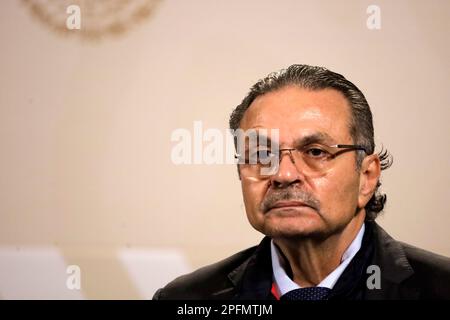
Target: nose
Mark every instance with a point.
(287, 173)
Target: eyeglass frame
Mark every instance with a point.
(346, 147)
(349, 147)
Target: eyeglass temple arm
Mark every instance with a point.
(351, 146)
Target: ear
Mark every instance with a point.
(369, 176)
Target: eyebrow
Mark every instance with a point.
(321, 137)
(317, 137)
(266, 137)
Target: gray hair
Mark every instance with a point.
(318, 78)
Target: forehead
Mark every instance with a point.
(298, 112)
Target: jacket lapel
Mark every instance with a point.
(253, 278)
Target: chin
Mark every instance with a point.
(300, 233)
(294, 227)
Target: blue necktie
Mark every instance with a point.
(310, 293)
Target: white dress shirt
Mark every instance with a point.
(284, 284)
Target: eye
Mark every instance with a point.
(316, 152)
(260, 156)
(263, 155)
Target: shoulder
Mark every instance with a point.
(431, 270)
(409, 271)
(425, 261)
(205, 282)
(420, 260)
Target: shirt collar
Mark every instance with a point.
(285, 284)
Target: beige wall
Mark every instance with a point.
(85, 126)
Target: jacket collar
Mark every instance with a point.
(397, 279)
(391, 255)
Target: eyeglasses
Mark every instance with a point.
(312, 160)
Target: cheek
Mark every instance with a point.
(253, 194)
(338, 195)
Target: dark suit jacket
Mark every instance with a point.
(406, 272)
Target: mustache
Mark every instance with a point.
(289, 194)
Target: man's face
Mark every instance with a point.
(291, 203)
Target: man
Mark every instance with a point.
(317, 209)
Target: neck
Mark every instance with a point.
(311, 260)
